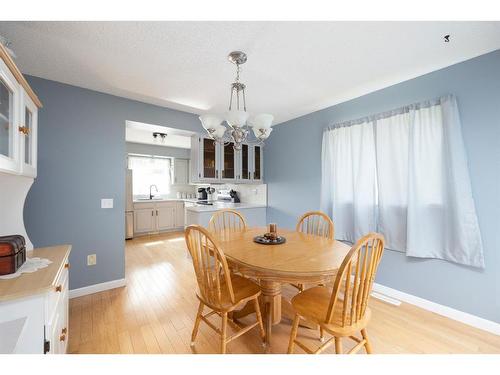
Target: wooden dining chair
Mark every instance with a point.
(343, 311)
(218, 289)
(317, 223)
(227, 219)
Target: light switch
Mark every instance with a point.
(107, 203)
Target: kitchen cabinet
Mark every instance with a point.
(144, 220)
(207, 157)
(10, 96)
(181, 171)
(257, 174)
(18, 120)
(38, 304)
(254, 216)
(213, 162)
(228, 163)
(165, 217)
(244, 164)
(179, 214)
(28, 136)
(159, 216)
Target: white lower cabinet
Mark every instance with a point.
(179, 214)
(57, 308)
(144, 220)
(35, 320)
(151, 217)
(165, 217)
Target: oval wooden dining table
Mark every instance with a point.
(303, 258)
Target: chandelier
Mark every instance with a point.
(238, 120)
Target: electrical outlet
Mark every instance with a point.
(91, 260)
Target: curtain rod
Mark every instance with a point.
(397, 111)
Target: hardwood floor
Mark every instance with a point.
(155, 313)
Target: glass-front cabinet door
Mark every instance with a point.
(9, 135)
(209, 154)
(258, 164)
(228, 162)
(28, 136)
(244, 160)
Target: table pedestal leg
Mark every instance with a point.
(271, 296)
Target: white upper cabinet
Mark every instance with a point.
(257, 164)
(28, 136)
(212, 162)
(181, 171)
(244, 164)
(209, 154)
(228, 163)
(18, 120)
(10, 92)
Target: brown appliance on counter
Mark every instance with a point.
(12, 253)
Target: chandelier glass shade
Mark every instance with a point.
(238, 120)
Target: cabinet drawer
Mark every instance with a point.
(141, 206)
(166, 204)
(56, 296)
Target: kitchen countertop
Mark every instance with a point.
(165, 200)
(44, 279)
(221, 205)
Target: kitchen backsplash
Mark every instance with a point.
(174, 189)
(248, 193)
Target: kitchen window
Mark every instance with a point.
(150, 170)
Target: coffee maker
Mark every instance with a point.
(202, 194)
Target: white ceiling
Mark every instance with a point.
(293, 68)
(139, 132)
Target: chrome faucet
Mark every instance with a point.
(150, 193)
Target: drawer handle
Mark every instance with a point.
(67, 265)
(64, 331)
(59, 288)
(24, 129)
(62, 338)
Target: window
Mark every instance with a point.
(150, 170)
(403, 174)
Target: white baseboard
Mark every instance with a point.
(466, 318)
(91, 289)
(383, 297)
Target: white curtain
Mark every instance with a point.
(354, 200)
(404, 174)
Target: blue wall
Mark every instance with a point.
(293, 174)
(81, 159)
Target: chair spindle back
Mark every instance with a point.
(354, 280)
(210, 266)
(317, 223)
(227, 220)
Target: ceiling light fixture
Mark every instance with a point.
(238, 119)
(8, 46)
(161, 135)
